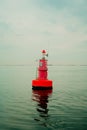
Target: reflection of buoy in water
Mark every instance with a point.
(41, 81)
(42, 99)
(39, 95)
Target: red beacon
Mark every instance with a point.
(41, 81)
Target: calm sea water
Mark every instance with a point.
(63, 108)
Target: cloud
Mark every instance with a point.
(28, 26)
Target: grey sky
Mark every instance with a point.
(28, 26)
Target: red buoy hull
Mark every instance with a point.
(41, 84)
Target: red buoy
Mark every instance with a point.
(41, 81)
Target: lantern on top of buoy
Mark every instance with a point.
(42, 81)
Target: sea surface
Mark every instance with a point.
(63, 108)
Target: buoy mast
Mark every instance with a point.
(42, 69)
